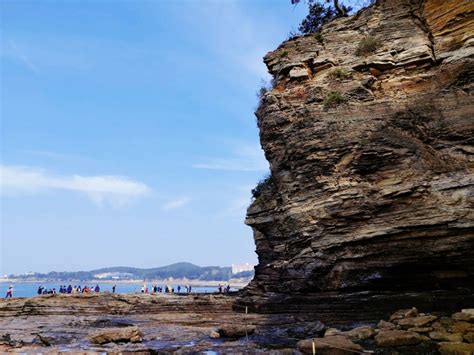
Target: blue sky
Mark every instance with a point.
(127, 130)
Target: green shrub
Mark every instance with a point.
(340, 73)
(264, 88)
(292, 35)
(319, 37)
(284, 54)
(261, 92)
(366, 46)
(264, 184)
(333, 99)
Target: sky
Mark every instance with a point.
(127, 130)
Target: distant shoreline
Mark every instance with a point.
(200, 283)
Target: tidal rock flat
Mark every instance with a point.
(368, 128)
(115, 323)
(203, 324)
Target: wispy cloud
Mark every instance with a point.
(102, 189)
(244, 157)
(22, 57)
(176, 203)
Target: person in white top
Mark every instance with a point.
(9, 292)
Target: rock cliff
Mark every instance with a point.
(369, 133)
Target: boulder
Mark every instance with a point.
(214, 334)
(460, 316)
(468, 311)
(469, 337)
(394, 338)
(456, 349)
(404, 313)
(332, 345)
(444, 336)
(307, 330)
(360, 333)
(461, 327)
(385, 325)
(421, 330)
(117, 335)
(332, 331)
(235, 331)
(438, 326)
(412, 322)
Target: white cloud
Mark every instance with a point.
(245, 157)
(102, 189)
(177, 203)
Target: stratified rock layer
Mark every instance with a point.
(370, 204)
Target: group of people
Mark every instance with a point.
(223, 289)
(166, 289)
(63, 289)
(70, 289)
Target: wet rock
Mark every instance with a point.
(235, 331)
(469, 337)
(438, 326)
(456, 349)
(422, 330)
(117, 335)
(404, 313)
(360, 333)
(395, 338)
(332, 345)
(307, 330)
(460, 316)
(443, 336)
(45, 340)
(7, 339)
(468, 311)
(461, 327)
(385, 325)
(415, 321)
(332, 331)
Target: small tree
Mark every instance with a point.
(318, 15)
(323, 11)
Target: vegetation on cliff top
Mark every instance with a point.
(321, 12)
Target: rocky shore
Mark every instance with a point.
(172, 324)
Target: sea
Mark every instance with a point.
(30, 289)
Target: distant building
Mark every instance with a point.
(113, 275)
(236, 268)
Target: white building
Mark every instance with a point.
(236, 268)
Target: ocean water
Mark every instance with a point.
(29, 289)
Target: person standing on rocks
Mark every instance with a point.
(9, 292)
(113, 288)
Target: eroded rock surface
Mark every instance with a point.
(370, 202)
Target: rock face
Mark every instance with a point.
(370, 202)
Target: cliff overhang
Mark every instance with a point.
(372, 160)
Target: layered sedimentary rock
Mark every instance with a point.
(369, 133)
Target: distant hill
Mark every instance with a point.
(176, 271)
